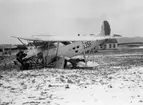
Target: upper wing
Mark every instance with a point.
(66, 38)
(29, 39)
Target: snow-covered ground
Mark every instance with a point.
(72, 87)
(116, 84)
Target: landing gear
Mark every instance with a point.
(74, 62)
(37, 61)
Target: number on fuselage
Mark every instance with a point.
(87, 44)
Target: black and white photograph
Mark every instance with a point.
(71, 52)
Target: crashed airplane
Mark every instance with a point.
(58, 51)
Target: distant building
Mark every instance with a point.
(109, 44)
(130, 41)
(5, 49)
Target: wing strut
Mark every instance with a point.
(91, 55)
(57, 52)
(45, 59)
(57, 49)
(92, 52)
(48, 48)
(21, 41)
(84, 56)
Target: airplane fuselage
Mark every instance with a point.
(74, 48)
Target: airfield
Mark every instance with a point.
(116, 79)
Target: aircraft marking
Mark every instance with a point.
(73, 48)
(86, 44)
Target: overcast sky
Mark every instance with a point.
(68, 17)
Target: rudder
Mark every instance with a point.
(105, 29)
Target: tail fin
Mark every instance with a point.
(105, 29)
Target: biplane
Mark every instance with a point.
(58, 51)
